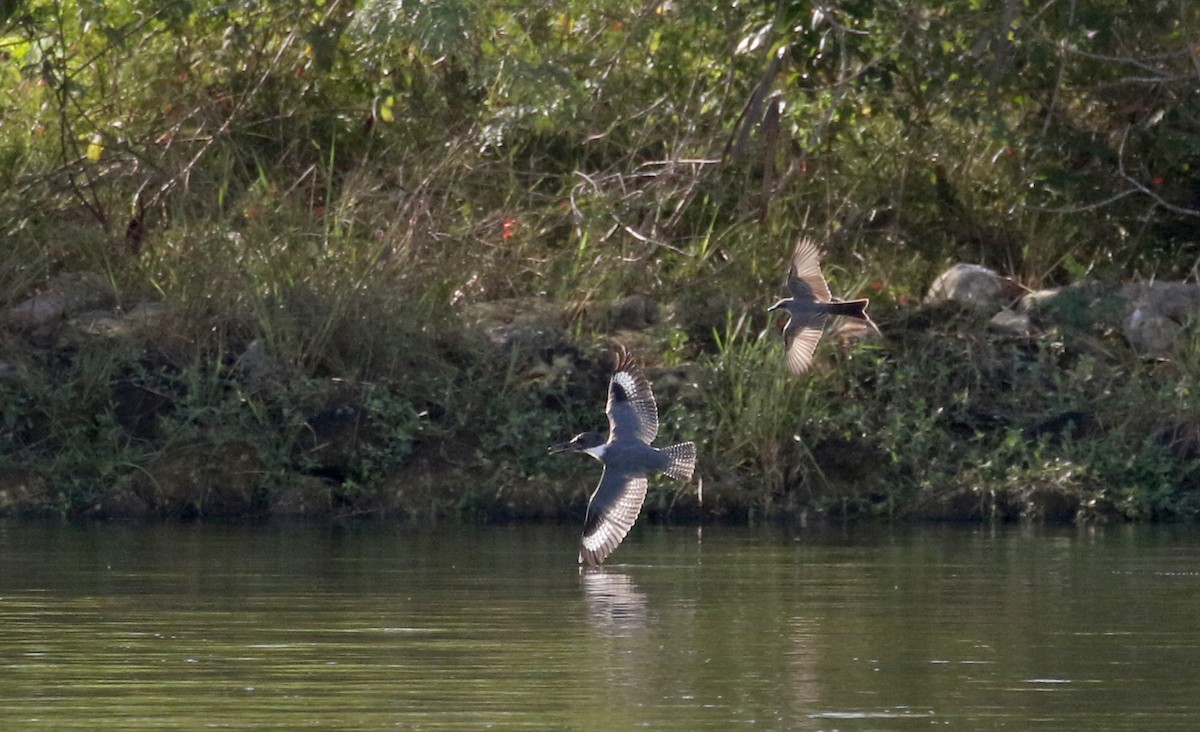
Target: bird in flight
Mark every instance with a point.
(810, 303)
(628, 459)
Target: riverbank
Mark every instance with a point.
(337, 260)
(963, 409)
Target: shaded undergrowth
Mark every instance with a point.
(306, 205)
(946, 418)
(942, 418)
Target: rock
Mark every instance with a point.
(67, 294)
(629, 313)
(974, 285)
(487, 315)
(146, 320)
(1037, 300)
(1159, 311)
(523, 338)
(634, 312)
(556, 368)
(524, 327)
(1175, 300)
(255, 363)
(204, 479)
(1012, 321)
(103, 323)
(165, 330)
(1081, 305)
(1150, 333)
(147, 316)
(37, 312)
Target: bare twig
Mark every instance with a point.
(1085, 207)
(1143, 188)
(1058, 79)
(1117, 59)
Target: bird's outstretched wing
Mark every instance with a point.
(801, 336)
(805, 281)
(611, 512)
(632, 413)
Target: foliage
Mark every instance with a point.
(334, 183)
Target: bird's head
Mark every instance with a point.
(590, 442)
(779, 305)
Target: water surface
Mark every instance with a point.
(372, 627)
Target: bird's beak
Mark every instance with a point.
(774, 307)
(562, 447)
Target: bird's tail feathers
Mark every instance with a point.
(849, 308)
(683, 461)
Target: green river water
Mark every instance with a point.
(393, 627)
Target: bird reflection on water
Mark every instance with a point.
(615, 605)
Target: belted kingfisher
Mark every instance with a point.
(809, 305)
(628, 459)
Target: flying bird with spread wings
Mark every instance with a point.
(810, 303)
(628, 457)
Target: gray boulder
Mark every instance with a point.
(1159, 312)
(973, 285)
(65, 295)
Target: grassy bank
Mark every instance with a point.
(365, 258)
